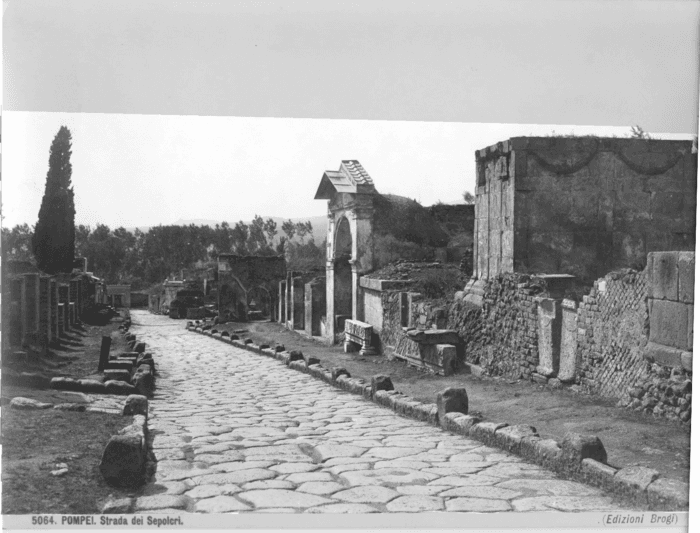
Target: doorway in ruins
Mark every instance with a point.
(342, 268)
(259, 304)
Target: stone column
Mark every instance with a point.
(281, 307)
(54, 308)
(30, 303)
(548, 336)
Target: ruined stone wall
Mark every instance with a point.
(584, 206)
(613, 328)
(392, 338)
(588, 206)
(501, 335)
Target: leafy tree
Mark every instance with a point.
(17, 243)
(303, 229)
(637, 132)
(468, 197)
(53, 243)
(289, 229)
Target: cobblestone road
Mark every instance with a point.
(239, 432)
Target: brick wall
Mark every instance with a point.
(501, 336)
(613, 327)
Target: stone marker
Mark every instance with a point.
(123, 460)
(381, 382)
(452, 400)
(104, 352)
(337, 371)
(135, 404)
(140, 347)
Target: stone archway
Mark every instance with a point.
(350, 192)
(342, 273)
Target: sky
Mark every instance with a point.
(144, 170)
(156, 94)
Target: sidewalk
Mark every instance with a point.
(630, 438)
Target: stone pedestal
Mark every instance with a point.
(358, 335)
(569, 341)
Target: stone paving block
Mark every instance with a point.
(282, 498)
(367, 494)
(328, 451)
(668, 495)
(416, 504)
(486, 432)
(343, 508)
(632, 482)
(321, 488)
(510, 437)
(478, 505)
(118, 506)
(220, 504)
(597, 473)
(162, 501)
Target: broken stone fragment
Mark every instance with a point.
(119, 387)
(28, 403)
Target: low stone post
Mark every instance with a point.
(104, 353)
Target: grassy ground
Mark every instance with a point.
(630, 438)
(33, 442)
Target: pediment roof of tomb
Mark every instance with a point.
(350, 178)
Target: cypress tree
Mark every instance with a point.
(54, 236)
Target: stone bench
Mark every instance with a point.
(358, 335)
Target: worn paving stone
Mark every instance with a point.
(478, 505)
(282, 498)
(220, 504)
(367, 494)
(320, 487)
(239, 432)
(415, 504)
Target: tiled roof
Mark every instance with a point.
(356, 171)
(351, 178)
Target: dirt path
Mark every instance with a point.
(630, 438)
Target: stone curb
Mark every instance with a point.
(578, 457)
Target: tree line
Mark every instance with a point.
(144, 258)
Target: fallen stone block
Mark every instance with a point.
(279, 348)
(434, 336)
(135, 404)
(452, 400)
(510, 437)
(666, 494)
(120, 387)
(381, 382)
(78, 407)
(123, 460)
(576, 447)
(486, 432)
(28, 403)
(632, 482)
